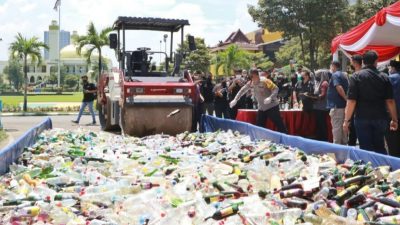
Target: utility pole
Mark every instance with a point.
(59, 44)
(57, 7)
(165, 42)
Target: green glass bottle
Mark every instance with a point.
(225, 212)
(362, 216)
(93, 159)
(346, 193)
(234, 186)
(12, 202)
(151, 173)
(216, 185)
(46, 172)
(76, 153)
(170, 159)
(214, 198)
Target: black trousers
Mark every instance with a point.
(221, 110)
(274, 115)
(321, 127)
(393, 142)
(352, 133)
(196, 116)
(233, 112)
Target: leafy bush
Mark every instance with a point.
(13, 108)
(71, 80)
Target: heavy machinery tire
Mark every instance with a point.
(104, 118)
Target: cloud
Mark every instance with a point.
(211, 19)
(28, 7)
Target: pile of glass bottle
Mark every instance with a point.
(80, 177)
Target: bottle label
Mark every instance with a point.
(246, 159)
(214, 199)
(226, 212)
(342, 193)
(236, 170)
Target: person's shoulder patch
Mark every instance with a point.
(268, 83)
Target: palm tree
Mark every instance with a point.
(94, 41)
(231, 58)
(22, 48)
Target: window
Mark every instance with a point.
(44, 68)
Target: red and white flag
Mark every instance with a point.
(58, 3)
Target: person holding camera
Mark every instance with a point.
(266, 94)
(206, 90)
(89, 95)
(303, 91)
(221, 100)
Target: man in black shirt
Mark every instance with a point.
(371, 97)
(206, 90)
(221, 100)
(356, 65)
(89, 95)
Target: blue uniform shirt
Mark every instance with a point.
(334, 99)
(395, 81)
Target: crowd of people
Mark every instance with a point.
(361, 104)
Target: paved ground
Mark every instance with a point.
(15, 126)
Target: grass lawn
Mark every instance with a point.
(15, 100)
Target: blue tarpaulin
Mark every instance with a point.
(211, 124)
(10, 154)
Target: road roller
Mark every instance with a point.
(140, 97)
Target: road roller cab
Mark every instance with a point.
(140, 97)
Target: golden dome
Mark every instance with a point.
(69, 52)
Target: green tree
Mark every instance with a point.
(363, 10)
(234, 58)
(14, 73)
(260, 60)
(53, 79)
(231, 58)
(306, 19)
(292, 50)
(94, 41)
(195, 60)
(95, 67)
(71, 80)
(23, 47)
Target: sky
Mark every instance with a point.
(213, 20)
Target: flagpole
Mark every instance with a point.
(58, 47)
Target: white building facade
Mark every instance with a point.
(69, 59)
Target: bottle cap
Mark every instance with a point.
(34, 211)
